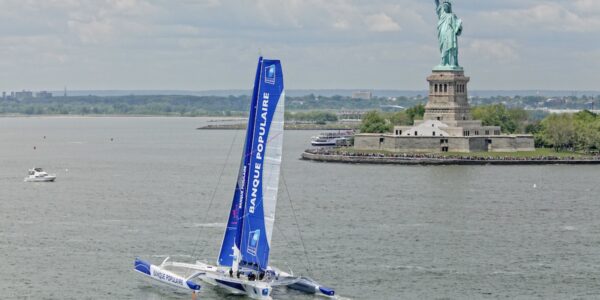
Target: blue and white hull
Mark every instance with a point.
(253, 289)
(165, 277)
(257, 289)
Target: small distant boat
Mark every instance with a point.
(39, 175)
(332, 138)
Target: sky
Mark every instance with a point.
(323, 44)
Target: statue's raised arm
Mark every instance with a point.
(449, 28)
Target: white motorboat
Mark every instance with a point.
(332, 138)
(243, 266)
(39, 175)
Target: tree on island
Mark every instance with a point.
(408, 117)
(559, 131)
(575, 132)
(510, 120)
(416, 112)
(587, 127)
(374, 122)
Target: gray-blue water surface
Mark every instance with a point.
(372, 232)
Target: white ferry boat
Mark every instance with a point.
(39, 175)
(332, 138)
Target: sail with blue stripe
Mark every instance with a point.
(262, 181)
(247, 239)
(227, 253)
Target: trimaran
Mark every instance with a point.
(243, 262)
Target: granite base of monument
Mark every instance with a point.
(447, 125)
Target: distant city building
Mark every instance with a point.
(3, 95)
(43, 94)
(365, 95)
(23, 95)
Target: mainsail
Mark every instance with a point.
(250, 225)
(265, 162)
(226, 255)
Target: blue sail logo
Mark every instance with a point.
(270, 74)
(253, 238)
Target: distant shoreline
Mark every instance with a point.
(288, 126)
(400, 160)
(117, 116)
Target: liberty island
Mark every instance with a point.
(447, 125)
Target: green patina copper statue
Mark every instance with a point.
(449, 28)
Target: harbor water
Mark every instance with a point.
(156, 187)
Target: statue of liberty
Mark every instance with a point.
(449, 28)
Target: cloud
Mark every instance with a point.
(381, 23)
(587, 6)
(495, 51)
(91, 32)
(555, 17)
(341, 24)
(170, 44)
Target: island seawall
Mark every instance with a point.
(441, 161)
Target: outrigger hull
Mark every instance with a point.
(309, 286)
(166, 277)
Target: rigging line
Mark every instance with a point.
(309, 269)
(215, 192)
(287, 245)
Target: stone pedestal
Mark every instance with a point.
(447, 113)
(447, 125)
(448, 101)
